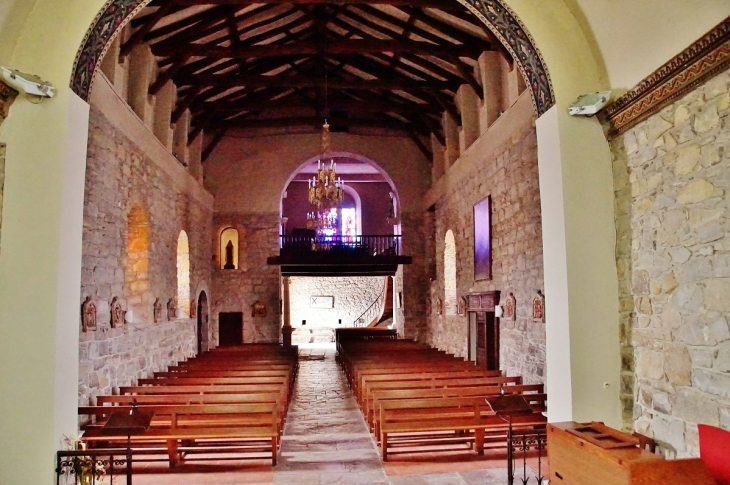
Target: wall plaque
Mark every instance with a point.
(258, 310)
(171, 309)
(510, 308)
(538, 308)
(117, 313)
(322, 302)
(88, 315)
(157, 311)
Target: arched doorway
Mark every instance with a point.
(202, 331)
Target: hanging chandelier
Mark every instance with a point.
(325, 190)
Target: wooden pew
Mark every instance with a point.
(234, 424)
(533, 394)
(411, 416)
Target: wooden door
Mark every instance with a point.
(230, 329)
(202, 322)
(472, 336)
(492, 333)
(481, 321)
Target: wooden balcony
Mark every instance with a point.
(339, 256)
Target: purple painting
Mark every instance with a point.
(483, 240)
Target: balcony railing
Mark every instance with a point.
(350, 245)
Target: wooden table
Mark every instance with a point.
(606, 456)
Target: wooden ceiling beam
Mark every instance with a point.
(439, 4)
(213, 144)
(447, 29)
(311, 48)
(367, 105)
(420, 145)
(468, 75)
(184, 24)
(142, 19)
(251, 81)
(435, 129)
(139, 34)
(165, 76)
(315, 121)
(185, 104)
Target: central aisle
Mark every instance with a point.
(325, 439)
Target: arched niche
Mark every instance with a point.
(229, 248)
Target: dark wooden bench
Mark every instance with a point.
(230, 427)
(409, 417)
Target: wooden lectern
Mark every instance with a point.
(595, 454)
(132, 423)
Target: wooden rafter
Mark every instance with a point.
(440, 4)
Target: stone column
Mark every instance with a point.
(451, 131)
(286, 330)
(468, 103)
(490, 73)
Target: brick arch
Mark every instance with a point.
(496, 15)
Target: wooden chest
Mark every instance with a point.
(577, 458)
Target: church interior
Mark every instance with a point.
(335, 211)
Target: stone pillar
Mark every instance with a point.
(195, 151)
(180, 139)
(451, 131)
(286, 331)
(510, 83)
(468, 103)
(490, 75)
(439, 159)
(141, 67)
(164, 104)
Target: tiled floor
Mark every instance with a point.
(326, 442)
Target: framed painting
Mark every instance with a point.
(483, 239)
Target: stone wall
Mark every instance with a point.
(352, 296)
(503, 164)
(672, 174)
(238, 289)
(122, 177)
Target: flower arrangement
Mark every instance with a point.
(87, 470)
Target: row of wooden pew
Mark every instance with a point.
(230, 401)
(412, 396)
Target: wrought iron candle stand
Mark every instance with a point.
(505, 406)
(95, 463)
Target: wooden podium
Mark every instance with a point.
(581, 454)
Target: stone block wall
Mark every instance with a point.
(121, 176)
(236, 290)
(502, 164)
(352, 296)
(672, 176)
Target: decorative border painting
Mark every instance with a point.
(483, 239)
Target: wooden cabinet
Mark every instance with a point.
(578, 460)
(483, 329)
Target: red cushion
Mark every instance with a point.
(715, 452)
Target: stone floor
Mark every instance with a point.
(326, 442)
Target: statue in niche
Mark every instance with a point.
(117, 313)
(461, 309)
(258, 309)
(171, 309)
(538, 307)
(88, 315)
(439, 306)
(193, 309)
(510, 308)
(229, 256)
(157, 311)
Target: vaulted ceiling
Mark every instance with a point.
(393, 64)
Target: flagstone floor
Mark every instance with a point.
(326, 442)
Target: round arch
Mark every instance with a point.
(45, 184)
(349, 190)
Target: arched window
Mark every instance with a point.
(183, 274)
(137, 274)
(229, 249)
(450, 303)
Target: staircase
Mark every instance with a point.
(379, 311)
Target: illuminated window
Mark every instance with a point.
(183, 274)
(329, 221)
(229, 249)
(349, 224)
(450, 303)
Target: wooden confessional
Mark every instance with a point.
(483, 329)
